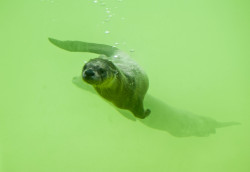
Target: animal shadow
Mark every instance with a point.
(176, 122)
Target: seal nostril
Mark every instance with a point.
(89, 72)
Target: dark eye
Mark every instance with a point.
(101, 71)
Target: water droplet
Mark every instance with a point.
(115, 56)
(132, 50)
(107, 32)
(95, 1)
(116, 43)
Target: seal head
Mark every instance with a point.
(99, 72)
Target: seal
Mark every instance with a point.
(114, 75)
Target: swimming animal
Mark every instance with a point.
(114, 75)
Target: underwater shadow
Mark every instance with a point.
(163, 117)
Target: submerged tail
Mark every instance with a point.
(226, 124)
(78, 46)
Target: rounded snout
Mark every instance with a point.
(89, 73)
(94, 74)
(91, 76)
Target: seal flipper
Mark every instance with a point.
(143, 113)
(139, 112)
(78, 46)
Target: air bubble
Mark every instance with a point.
(95, 1)
(115, 56)
(107, 32)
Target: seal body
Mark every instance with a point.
(119, 80)
(114, 75)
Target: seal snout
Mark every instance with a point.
(91, 76)
(89, 73)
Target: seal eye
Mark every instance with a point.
(101, 71)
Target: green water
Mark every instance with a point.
(196, 54)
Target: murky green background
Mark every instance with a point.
(196, 54)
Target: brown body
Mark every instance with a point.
(126, 90)
(114, 75)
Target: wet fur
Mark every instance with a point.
(125, 84)
(114, 75)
